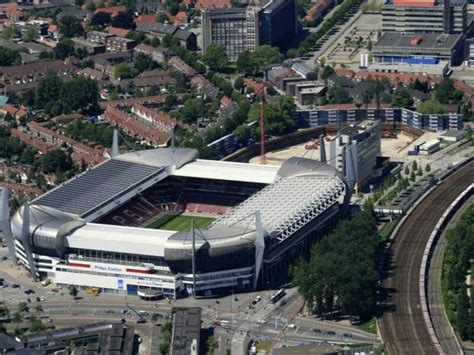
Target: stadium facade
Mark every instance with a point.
(91, 230)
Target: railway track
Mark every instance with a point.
(402, 326)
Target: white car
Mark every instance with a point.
(292, 325)
(262, 321)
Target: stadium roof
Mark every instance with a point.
(118, 238)
(222, 170)
(88, 192)
(288, 204)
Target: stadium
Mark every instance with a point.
(162, 222)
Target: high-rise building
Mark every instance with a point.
(355, 150)
(240, 29)
(441, 16)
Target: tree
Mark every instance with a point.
(17, 318)
(402, 98)
(73, 291)
(154, 318)
(70, 26)
(342, 269)
(211, 345)
(245, 63)
(243, 133)
(427, 168)
(414, 165)
(9, 57)
(326, 72)
(36, 325)
(123, 71)
(10, 32)
(124, 20)
(338, 95)
(48, 90)
(88, 63)
(462, 312)
(80, 94)
(91, 6)
(412, 176)
(407, 171)
(55, 161)
(64, 49)
(4, 312)
(143, 62)
(23, 307)
(192, 109)
(31, 34)
(101, 19)
(431, 107)
(419, 172)
(215, 57)
(238, 83)
(137, 36)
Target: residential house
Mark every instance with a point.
(120, 32)
(159, 54)
(112, 10)
(212, 4)
(179, 65)
(119, 44)
(204, 86)
(160, 30)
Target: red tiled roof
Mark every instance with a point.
(117, 31)
(145, 19)
(212, 4)
(113, 10)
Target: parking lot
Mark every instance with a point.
(353, 42)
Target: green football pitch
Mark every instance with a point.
(182, 223)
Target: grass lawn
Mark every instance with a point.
(387, 230)
(182, 223)
(370, 326)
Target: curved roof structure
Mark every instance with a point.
(296, 193)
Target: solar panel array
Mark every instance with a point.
(93, 188)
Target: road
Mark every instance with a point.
(441, 324)
(402, 325)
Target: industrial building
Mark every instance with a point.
(246, 28)
(98, 229)
(431, 16)
(419, 48)
(355, 150)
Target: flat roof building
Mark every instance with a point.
(186, 331)
(419, 48)
(245, 28)
(449, 16)
(438, 69)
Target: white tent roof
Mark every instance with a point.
(224, 170)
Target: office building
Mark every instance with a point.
(437, 16)
(240, 29)
(355, 150)
(419, 48)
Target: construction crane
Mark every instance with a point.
(259, 89)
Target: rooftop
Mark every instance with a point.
(96, 187)
(417, 40)
(221, 170)
(288, 204)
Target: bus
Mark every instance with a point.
(277, 296)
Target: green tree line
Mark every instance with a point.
(456, 265)
(341, 273)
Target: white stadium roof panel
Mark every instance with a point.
(223, 170)
(288, 204)
(120, 239)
